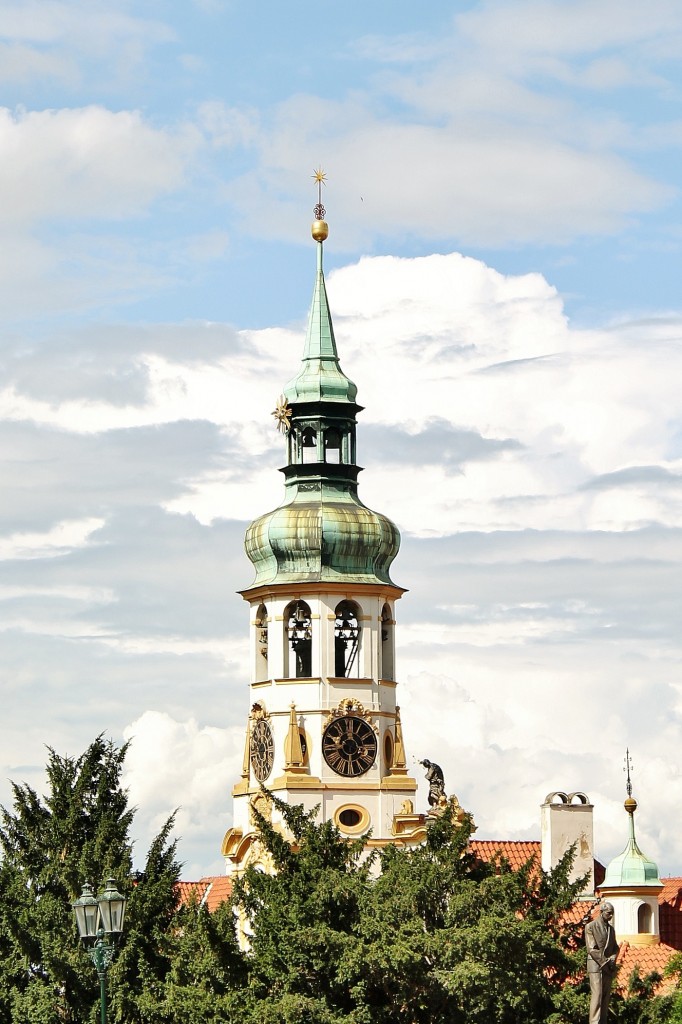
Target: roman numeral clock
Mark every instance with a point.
(324, 727)
(349, 743)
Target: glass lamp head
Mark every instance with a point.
(86, 911)
(112, 908)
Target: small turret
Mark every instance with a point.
(632, 884)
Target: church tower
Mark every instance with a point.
(324, 726)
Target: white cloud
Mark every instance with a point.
(185, 766)
(484, 135)
(60, 40)
(520, 457)
(57, 541)
(86, 162)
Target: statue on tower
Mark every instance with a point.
(436, 781)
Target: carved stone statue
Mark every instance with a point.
(602, 954)
(434, 776)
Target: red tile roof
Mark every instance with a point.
(219, 890)
(645, 959)
(210, 891)
(670, 912)
(518, 852)
(191, 891)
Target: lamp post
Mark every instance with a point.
(100, 920)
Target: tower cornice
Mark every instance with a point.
(350, 589)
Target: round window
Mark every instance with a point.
(350, 817)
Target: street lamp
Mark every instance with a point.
(100, 920)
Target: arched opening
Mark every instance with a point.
(309, 445)
(347, 640)
(388, 752)
(387, 643)
(261, 671)
(645, 919)
(299, 639)
(332, 445)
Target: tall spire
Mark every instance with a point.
(320, 378)
(322, 531)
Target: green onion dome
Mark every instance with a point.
(631, 867)
(322, 540)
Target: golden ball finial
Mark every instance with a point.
(319, 230)
(630, 805)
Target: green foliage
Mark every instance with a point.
(79, 831)
(422, 935)
(636, 1001)
(412, 935)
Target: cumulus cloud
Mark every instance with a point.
(532, 468)
(86, 162)
(194, 760)
(493, 150)
(63, 40)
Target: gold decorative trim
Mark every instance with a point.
(312, 782)
(259, 711)
(292, 680)
(274, 591)
(352, 830)
(294, 760)
(399, 766)
(640, 940)
(350, 706)
(290, 781)
(629, 890)
(360, 680)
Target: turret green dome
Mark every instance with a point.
(327, 539)
(322, 532)
(631, 867)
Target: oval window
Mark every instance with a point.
(350, 817)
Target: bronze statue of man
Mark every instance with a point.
(436, 781)
(602, 953)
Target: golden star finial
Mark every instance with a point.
(320, 178)
(282, 415)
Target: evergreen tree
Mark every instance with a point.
(80, 830)
(427, 934)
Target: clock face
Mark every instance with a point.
(262, 750)
(349, 746)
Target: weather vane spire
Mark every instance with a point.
(627, 769)
(320, 178)
(320, 229)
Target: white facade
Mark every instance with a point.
(379, 799)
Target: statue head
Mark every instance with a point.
(427, 764)
(606, 910)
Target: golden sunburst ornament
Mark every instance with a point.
(282, 414)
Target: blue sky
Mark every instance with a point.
(503, 268)
(537, 136)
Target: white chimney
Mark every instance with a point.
(566, 818)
